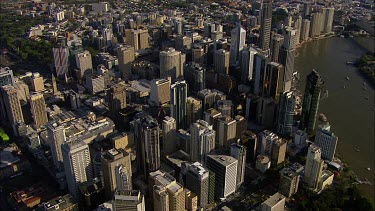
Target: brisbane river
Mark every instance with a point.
(350, 105)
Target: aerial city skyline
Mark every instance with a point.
(174, 106)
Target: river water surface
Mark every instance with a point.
(350, 110)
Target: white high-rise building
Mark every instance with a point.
(225, 169)
(56, 136)
(77, 165)
(313, 167)
(202, 140)
(327, 141)
(238, 37)
(247, 63)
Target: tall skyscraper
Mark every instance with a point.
(197, 180)
(115, 163)
(125, 57)
(202, 140)
(116, 97)
(129, 200)
(167, 193)
(10, 105)
(61, 60)
(56, 138)
(38, 109)
(226, 131)
(276, 43)
(238, 38)
(37, 82)
(225, 169)
(195, 76)
(84, 64)
(266, 139)
(278, 152)
(247, 63)
(172, 63)
(169, 135)
(305, 30)
(139, 39)
(316, 24)
(313, 167)
(327, 141)
(178, 103)
(285, 113)
(77, 165)
(239, 152)
(311, 98)
(160, 91)
(193, 110)
(265, 22)
(221, 61)
(328, 19)
(146, 132)
(287, 54)
(273, 81)
(260, 61)
(298, 26)
(289, 181)
(6, 76)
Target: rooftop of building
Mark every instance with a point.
(263, 159)
(162, 178)
(61, 202)
(274, 199)
(128, 195)
(224, 160)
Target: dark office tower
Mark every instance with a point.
(287, 54)
(116, 98)
(195, 77)
(178, 103)
(273, 80)
(276, 42)
(249, 140)
(285, 113)
(260, 61)
(146, 133)
(311, 98)
(197, 180)
(265, 22)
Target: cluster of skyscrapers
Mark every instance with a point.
(184, 95)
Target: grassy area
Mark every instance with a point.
(4, 137)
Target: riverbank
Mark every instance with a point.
(366, 66)
(350, 104)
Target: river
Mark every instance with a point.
(350, 110)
